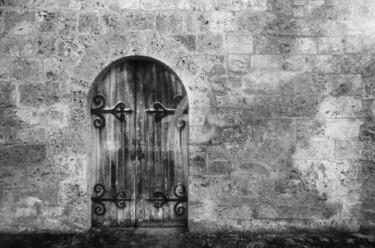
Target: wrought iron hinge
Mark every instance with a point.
(160, 111)
(180, 192)
(100, 209)
(118, 111)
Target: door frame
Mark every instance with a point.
(90, 102)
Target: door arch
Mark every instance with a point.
(140, 130)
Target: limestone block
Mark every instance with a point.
(312, 84)
(222, 84)
(29, 136)
(73, 4)
(11, 177)
(110, 21)
(257, 5)
(266, 62)
(223, 118)
(219, 168)
(9, 45)
(37, 46)
(311, 128)
(19, 22)
(369, 87)
(266, 212)
(27, 70)
(88, 23)
(283, 7)
(340, 127)
(201, 134)
(273, 154)
(8, 117)
(296, 46)
(70, 139)
(303, 63)
(237, 135)
(158, 4)
(70, 166)
(5, 69)
(72, 192)
(281, 106)
(8, 93)
(252, 169)
(189, 41)
(20, 155)
(269, 82)
(53, 116)
(233, 100)
(358, 63)
(171, 22)
(238, 63)
(238, 43)
(262, 105)
(212, 64)
(316, 148)
(280, 128)
(198, 22)
(209, 42)
(58, 70)
(78, 116)
(328, 64)
(54, 22)
(74, 46)
(184, 63)
(218, 152)
(349, 148)
(331, 45)
(229, 210)
(222, 22)
(332, 28)
(265, 44)
(43, 178)
(353, 44)
(345, 85)
(36, 95)
(197, 162)
(117, 4)
(345, 106)
(136, 21)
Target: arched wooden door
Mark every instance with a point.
(140, 126)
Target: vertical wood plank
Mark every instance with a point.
(161, 162)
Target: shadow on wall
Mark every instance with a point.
(301, 163)
(42, 162)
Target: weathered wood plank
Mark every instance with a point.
(140, 156)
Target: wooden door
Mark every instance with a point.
(139, 178)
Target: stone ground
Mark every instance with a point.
(165, 237)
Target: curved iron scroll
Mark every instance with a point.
(180, 192)
(100, 209)
(160, 111)
(118, 111)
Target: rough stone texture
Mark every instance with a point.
(281, 97)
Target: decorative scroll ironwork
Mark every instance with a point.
(99, 208)
(180, 192)
(118, 111)
(160, 111)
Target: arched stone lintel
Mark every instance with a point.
(109, 49)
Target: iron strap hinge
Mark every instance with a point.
(100, 209)
(118, 111)
(179, 191)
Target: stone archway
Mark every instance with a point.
(166, 50)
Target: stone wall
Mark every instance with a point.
(281, 99)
